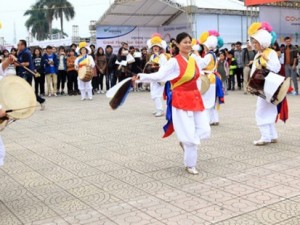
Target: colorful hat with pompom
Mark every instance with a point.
(262, 32)
(196, 45)
(83, 45)
(156, 40)
(211, 39)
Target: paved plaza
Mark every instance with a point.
(83, 163)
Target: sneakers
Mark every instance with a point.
(192, 170)
(90, 99)
(260, 143)
(159, 114)
(102, 92)
(215, 124)
(82, 99)
(295, 93)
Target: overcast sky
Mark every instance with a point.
(12, 11)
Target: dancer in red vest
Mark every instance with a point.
(186, 114)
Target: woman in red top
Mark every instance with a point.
(189, 120)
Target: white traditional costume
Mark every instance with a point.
(266, 112)
(185, 113)
(215, 94)
(157, 88)
(81, 61)
(2, 148)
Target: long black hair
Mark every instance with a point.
(98, 54)
(34, 55)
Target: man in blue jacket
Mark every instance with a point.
(50, 65)
(25, 59)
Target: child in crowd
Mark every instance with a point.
(232, 68)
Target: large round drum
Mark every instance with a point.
(16, 93)
(205, 83)
(269, 86)
(85, 73)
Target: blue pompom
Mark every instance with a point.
(274, 37)
(220, 42)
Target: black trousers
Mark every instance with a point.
(28, 78)
(96, 82)
(61, 79)
(72, 81)
(39, 84)
(231, 82)
(239, 77)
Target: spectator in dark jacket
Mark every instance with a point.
(290, 62)
(61, 70)
(111, 65)
(39, 81)
(25, 59)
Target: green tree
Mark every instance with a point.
(37, 23)
(63, 9)
(58, 31)
(56, 9)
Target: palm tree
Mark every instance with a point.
(58, 31)
(37, 23)
(63, 9)
(48, 8)
(57, 9)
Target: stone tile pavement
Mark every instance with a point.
(82, 163)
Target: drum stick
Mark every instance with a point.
(26, 68)
(13, 110)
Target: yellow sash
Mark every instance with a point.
(83, 62)
(263, 62)
(188, 74)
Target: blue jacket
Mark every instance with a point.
(25, 56)
(50, 68)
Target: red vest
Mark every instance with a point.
(186, 96)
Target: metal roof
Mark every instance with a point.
(139, 13)
(162, 12)
(214, 4)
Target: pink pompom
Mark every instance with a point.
(266, 26)
(213, 33)
(156, 35)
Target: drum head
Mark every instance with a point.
(283, 91)
(16, 93)
(82, 72)
(205, 83)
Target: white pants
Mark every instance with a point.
(268, 132)
(2, 152)
(156, 91)
(265, 118)
(158, 104)
(85, 87)
(190, 127)
(213, 115)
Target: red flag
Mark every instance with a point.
(260, 2)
